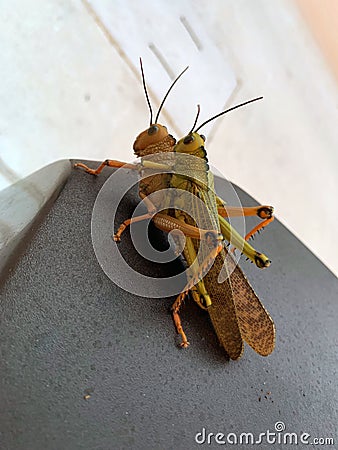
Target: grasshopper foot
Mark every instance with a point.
(265, 212)
(261, 261)
(86, 168)
(122, 227)
(179, 329)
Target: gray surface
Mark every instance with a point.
(23, 204)
(67, 330)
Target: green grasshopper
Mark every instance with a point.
(234, 308)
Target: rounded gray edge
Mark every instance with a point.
(23, 204)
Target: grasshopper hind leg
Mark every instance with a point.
(177, 320)
(196, 279)
(264, 212)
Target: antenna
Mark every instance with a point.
(145, 91)
(198, 113)
(226, 111)
(166, 95)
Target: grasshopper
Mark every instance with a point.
(154, 141)
(235, 310)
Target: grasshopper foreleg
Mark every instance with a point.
(109, 163)
(126, 223)
(151, 211)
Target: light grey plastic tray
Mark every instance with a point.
(67, 332)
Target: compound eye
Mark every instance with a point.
(203, 137)
(188, 139)
(152, 130)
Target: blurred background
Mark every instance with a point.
(71, 88)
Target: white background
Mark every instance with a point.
(70, 87)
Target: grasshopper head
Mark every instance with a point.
(156, 138)
(153, 140)
(190, 143)
(193, 144)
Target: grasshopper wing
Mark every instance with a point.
(256, 325)
(223, 310)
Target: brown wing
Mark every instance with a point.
(256, 325)
(223, 311)
(236, 311)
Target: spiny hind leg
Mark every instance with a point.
(264, 212)
(167, 223)
(106, 163)
(198, 292)
(200, 273)
(259, 227)
(177, 320)
(233, 237)
(261, 211)
(213, 238)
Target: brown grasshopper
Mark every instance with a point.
(153, 141)
(234, 308)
